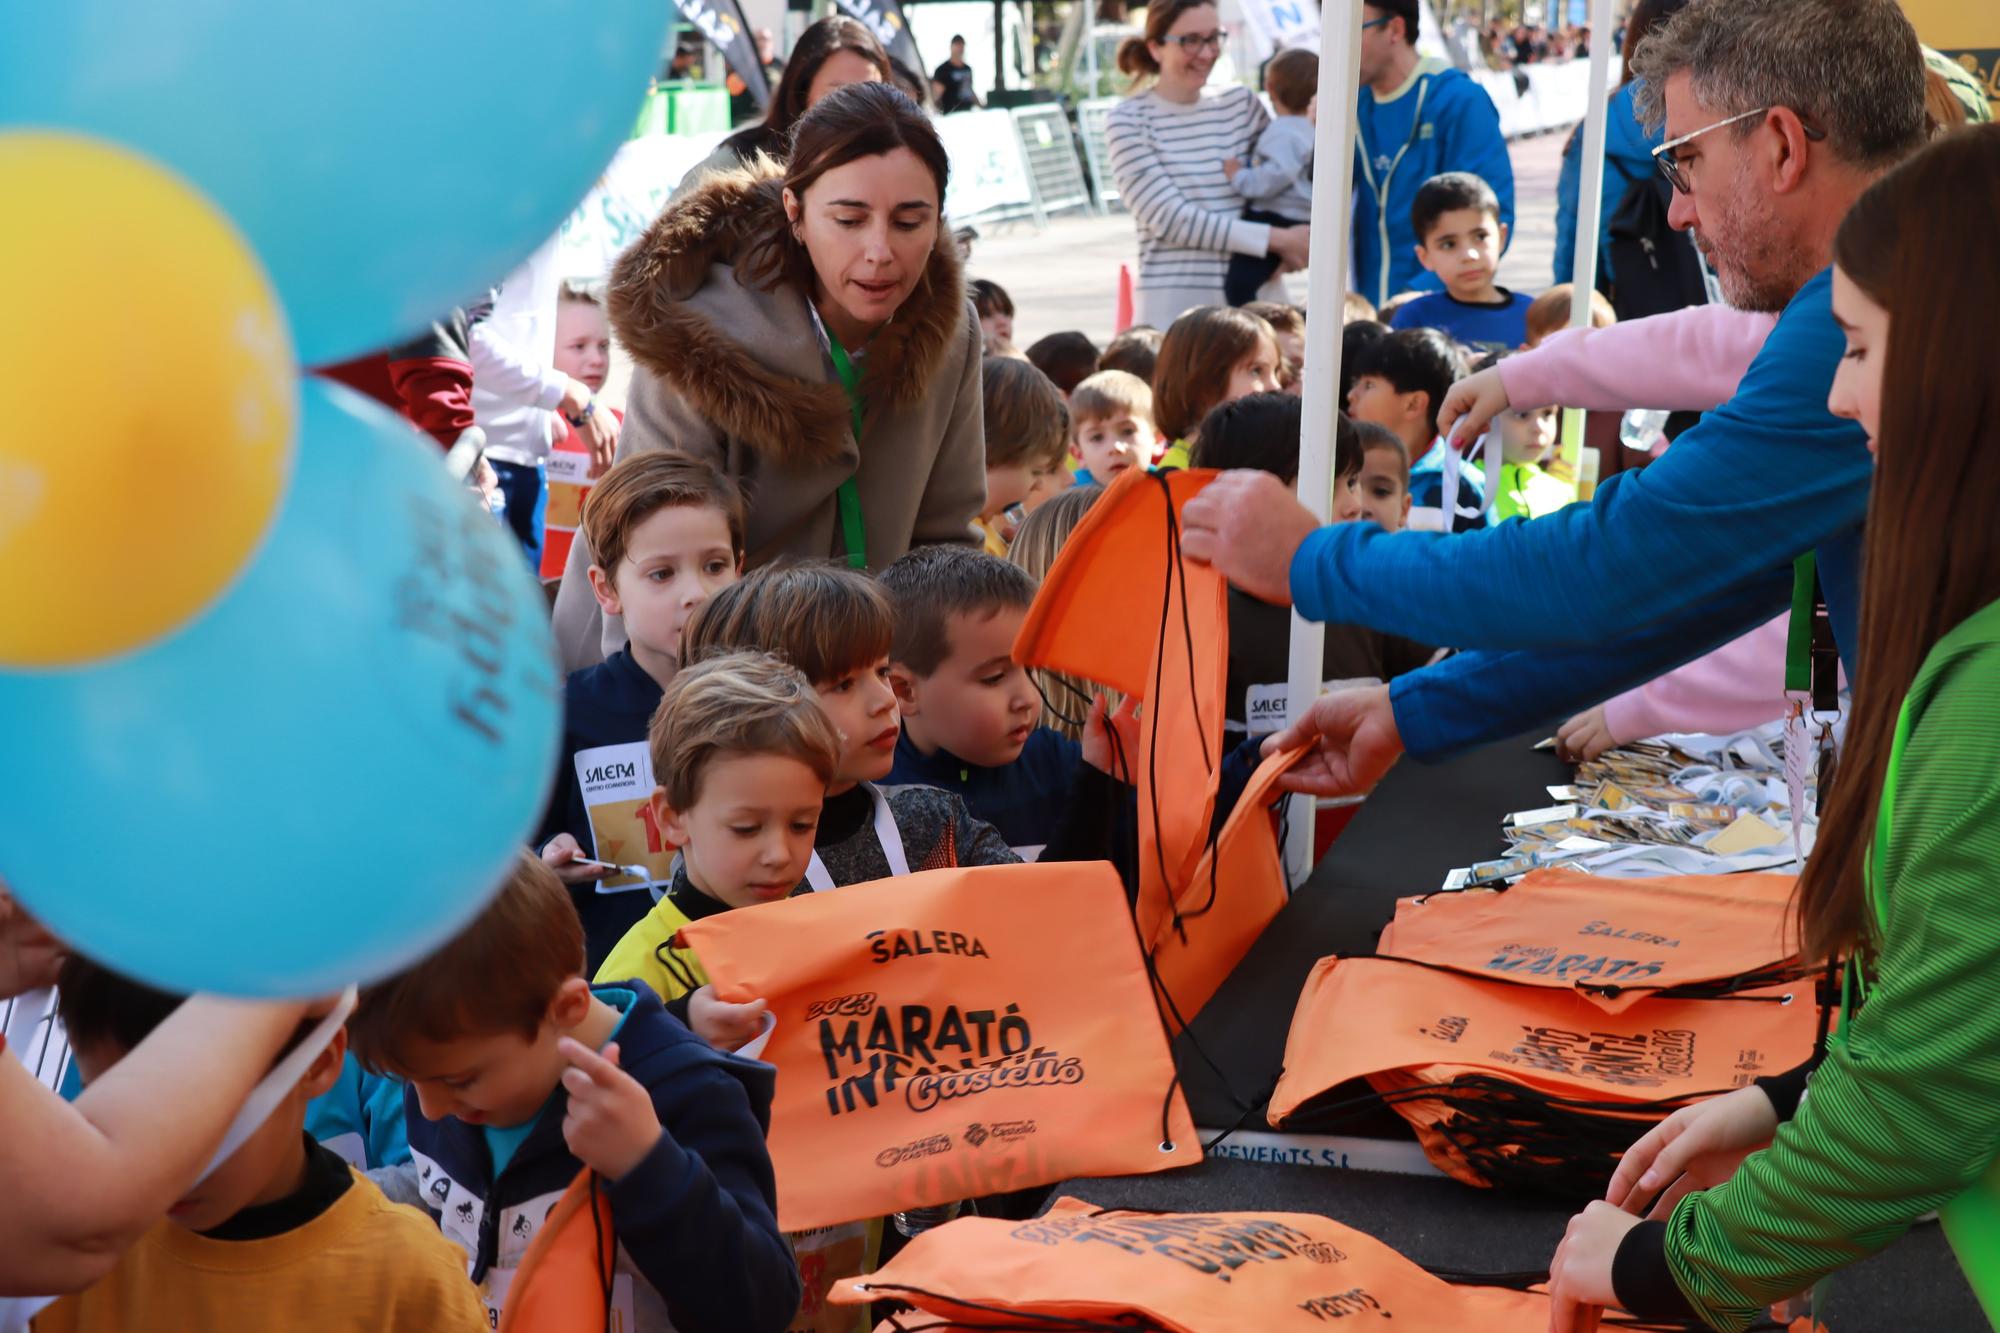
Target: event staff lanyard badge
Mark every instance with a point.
(853, 534)
(1812, 685)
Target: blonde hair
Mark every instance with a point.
(1065, 699)
(732, 705)
(1105, 395)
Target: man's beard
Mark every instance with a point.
(1757, 266)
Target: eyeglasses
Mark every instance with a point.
(1192, 42)
(1671, 169)
(1376, 23)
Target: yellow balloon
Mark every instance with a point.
(151, 401)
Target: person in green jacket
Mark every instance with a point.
(1756, 1195)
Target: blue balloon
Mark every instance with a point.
(325, 775)
(388, 160)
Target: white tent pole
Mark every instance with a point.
(1590, 190)
(1326, 295)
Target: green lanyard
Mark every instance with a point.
(853, 535)
(1812, 661)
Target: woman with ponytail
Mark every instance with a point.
(1760, 1193)
(1168, 142)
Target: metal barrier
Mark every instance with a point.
(1049, 147)
(1091, 117)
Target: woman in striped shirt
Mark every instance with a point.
(1168, 144)
(1762, 1194)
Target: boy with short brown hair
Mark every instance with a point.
(1027, 431)
(521, 1073)
(1111, 427)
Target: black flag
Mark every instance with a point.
(884, 18)
(721, 21)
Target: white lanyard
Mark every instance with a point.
(885, 833)
(1448, 497)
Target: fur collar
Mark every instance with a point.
(663, 304)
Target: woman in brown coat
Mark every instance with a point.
(750, 306)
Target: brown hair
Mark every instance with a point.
(642, 485)
(1292, 79)
(825, 619)
(1134, 57)
(932, 584)
(1942, 109)
(1134, 351)
(1937, 478)
(1108, 393)
(1067, 358)
(818, 44)
(848, 124)
(1197, 357)
(497, 975)
(1549, 312)
(1026, 418)
(737, 704)
(1373, 436)
(1065, 699)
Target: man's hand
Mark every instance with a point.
(560, 855)
(1231, 165)
(1470, 406)
(721, 1024)
(1098, 751)
(610, 1124)
(1249, 526)
(1354, 739)
(1580, 1274)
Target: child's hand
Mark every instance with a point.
(1231, 165)
(560, 856)
(610, 1124)
(1098, 751)
(721, 1024)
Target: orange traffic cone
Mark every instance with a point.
(1123, 321)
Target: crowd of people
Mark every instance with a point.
(788, 579)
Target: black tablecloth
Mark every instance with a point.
(1422, 821)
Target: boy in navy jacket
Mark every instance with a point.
(520, 1074)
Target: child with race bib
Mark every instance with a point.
(1760, 1193)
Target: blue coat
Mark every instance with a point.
(1628, 157)
(1664, 564)
(1442, 122)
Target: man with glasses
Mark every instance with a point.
(1778, 114)
(1418, 118)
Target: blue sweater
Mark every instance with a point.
(1024, 800)
(1442, 122)
(697, 1219)
(1628, 157)
(1497, 327)
(1666, 563)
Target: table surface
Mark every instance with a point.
(1421, 822)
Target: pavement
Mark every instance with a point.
(1065, 275)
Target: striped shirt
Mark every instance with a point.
(1167, 158)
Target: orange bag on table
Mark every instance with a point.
(952, 1034)
(1122, 607)
(1613, 941)
(1080, 1267)
(564, 1278)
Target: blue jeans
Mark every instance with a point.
(526, 493)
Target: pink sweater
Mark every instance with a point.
(1689, 360)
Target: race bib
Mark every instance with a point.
(617, 785)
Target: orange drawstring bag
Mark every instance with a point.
(952, 1034)
(1083, 1268)
(1122, 607)
(564, 1282)
(1613, 941)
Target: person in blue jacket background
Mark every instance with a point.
(1418, 118)
(1628, 154)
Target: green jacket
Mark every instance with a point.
(1904, 1114)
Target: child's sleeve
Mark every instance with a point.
(978, 842)
(956, 487)
(699, 1214)
(1685, 360)
(1279, 162)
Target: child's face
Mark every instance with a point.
(1107, 446)
(271, 1163)
(1025, 483)
(1526, 437)
(1255, 373)
(862, 706)
(1463, 249)
(978, 704)
(748, 836)
(1381, 492)
(583, 343)
(1373, 398)
(996, 332)
(675, 559)
(493, 1078)
(1292, 348)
